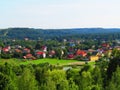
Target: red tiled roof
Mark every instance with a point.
(39, 53)
(5, 49)
(43, 47)
(70, 56)
(105, 44)
(28, 56)
(81, 52)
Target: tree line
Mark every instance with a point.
(59, 34)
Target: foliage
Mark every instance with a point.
(27, 81)
(4, 81)
(114, 83)
(44, 76)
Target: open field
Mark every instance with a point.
(51, 61)
(46, 60)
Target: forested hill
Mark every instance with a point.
(20, 33)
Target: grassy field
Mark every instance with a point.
(12, 61)
(38, 61)
(51, 61)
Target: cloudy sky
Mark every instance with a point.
(60, 13)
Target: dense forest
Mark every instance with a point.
(35, 34)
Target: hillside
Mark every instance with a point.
(21, 33)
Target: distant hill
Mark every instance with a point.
(21, 33)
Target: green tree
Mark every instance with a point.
(13, 81)
(63, 85)
(49, 85)
(7, 69)
(59, 53)
(4, 81)
(72, 85)
(114, 62)
(57, 76)
(114, 83)
(85, 81)
(41, 75)
(97, 79)
(27, 81)
(38, 46)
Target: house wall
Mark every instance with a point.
(93, 58)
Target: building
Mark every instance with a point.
(93, 58)
(81, 53)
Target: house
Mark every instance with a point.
(78, 42)
(70, 56)
(26, 39)
(44, 48)
(91, 50)
(72, 44)
(105, 45)
(99, 53)
(18, 46)
(81, 53)
(18, 50)
(0, 50)
(40, 54)
(29, 56)
(108, 53)
(100, 50)
(44, 55)
(26, 50)
(6, 49)
(93, 58)
(64, 40)
(52, 53)
(117, 47)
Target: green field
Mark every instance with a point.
(51, 61)
(46, 60)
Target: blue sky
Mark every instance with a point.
(60, 13)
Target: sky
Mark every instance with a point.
(54, 14)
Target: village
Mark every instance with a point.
(65, 51)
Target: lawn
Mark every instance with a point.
(14, 61)
(11, 61)
(51, 61)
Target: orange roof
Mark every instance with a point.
(81, 52)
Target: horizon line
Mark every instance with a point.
(65, 28)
